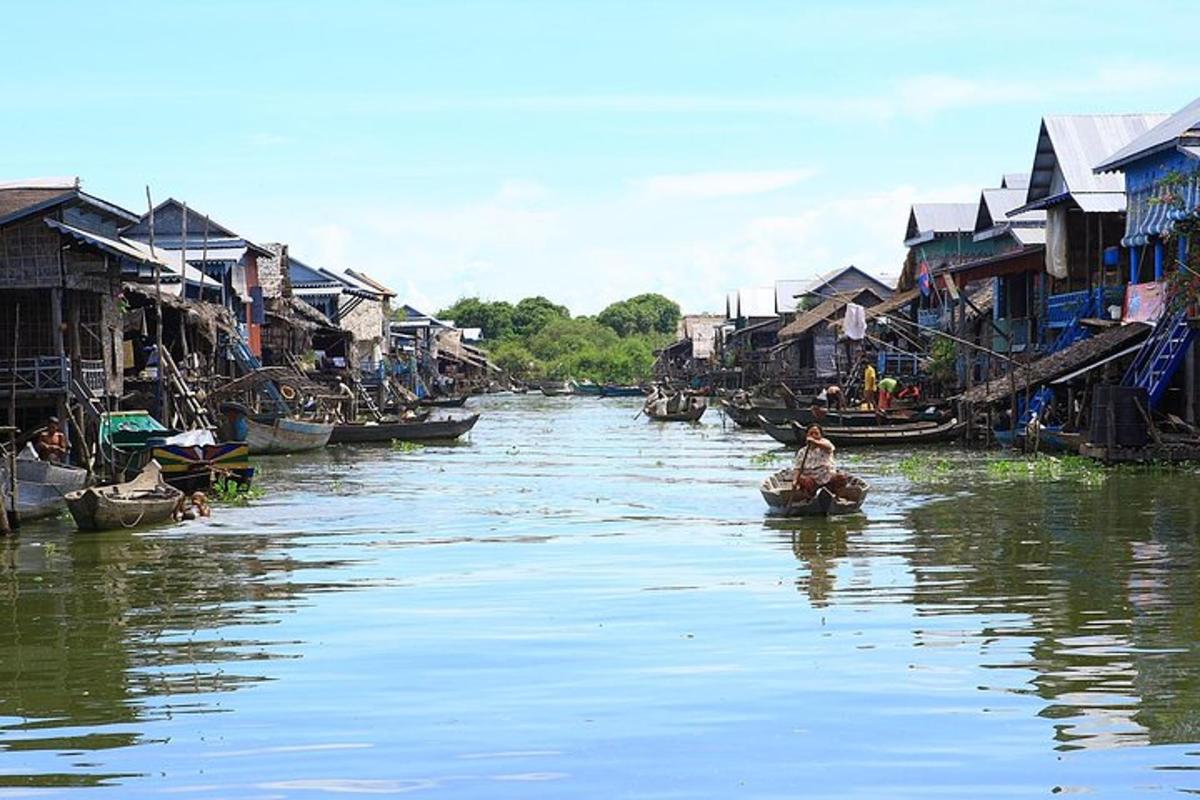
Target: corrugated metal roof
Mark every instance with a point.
(928, 220)
(119, 247)
(62, 183)
(1165, 135)
(1015, 180)
(1070, 145)
(995, 205)
(1028, 236)
(756, 301)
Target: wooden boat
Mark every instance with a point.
(41, 485)
(1051, 439)
(743, 416)
(588, 389)
(691, 415)
(418, 430)
(457, 401)
(145, 500)
(192, 468)
(777, 491)
(556, 388)
(286, 435)
(843, 418)
(615, 390)
(862, 436)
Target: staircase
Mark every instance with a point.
(190, 412)
(86, 398)
(1037, 404)
(1160, 356)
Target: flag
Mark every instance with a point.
(924, 276)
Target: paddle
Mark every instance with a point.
(799, 472)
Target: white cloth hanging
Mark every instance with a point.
(855, 324)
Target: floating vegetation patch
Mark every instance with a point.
(401, 446)
(924, 468)
(767, 459)
(232, 493)
(1048, 468)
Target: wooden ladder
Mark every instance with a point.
(190, 411)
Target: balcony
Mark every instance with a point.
(43, 375)
(1063, 309)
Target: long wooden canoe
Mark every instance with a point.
(443, 429)
(743, 416)
(793, 433)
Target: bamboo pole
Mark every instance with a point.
(158, 325)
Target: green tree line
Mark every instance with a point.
(537, 338)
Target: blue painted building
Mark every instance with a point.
(1161, 168)
(1162, 185)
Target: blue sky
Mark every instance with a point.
(582, 150)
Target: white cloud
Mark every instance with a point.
(720, 184)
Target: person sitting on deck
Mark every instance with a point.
(51, 443)
(814, 465)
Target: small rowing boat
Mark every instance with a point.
(145, 500)
(690, 415)
(781, 501)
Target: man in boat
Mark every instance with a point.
(814, 465)
(869, 388)
(887, 390)
(51, 443)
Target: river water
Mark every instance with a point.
(577, 603)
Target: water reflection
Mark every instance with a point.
(590, 605)
(1103, 578)
(107, 633)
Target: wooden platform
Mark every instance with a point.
(1165, 453)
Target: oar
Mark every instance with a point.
(799, 472)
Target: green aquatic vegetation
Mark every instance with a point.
(1048, 468)
(401, 446)
(767, 459)
(232, 493)
(923, 467)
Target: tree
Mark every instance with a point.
(534, 313)
(494, 319)
(644, 314)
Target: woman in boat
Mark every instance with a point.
(814, 466)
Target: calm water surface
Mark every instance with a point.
(574, 603)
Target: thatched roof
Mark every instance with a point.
(1056, 365)
(209, 318)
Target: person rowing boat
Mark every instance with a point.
(815, 465)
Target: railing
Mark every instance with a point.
(894, 363)
(38, 375)
(92, 374)
(1064, 309)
